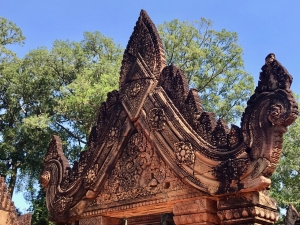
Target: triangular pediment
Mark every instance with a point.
(153, 141)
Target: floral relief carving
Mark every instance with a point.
(61, 203)
(157, 119)
(91, 175)
(139, 172)
(134, 89)
(113, 134)
(184, 153)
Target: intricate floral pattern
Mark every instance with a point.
(91, 175)
(184, 153)
(134, 89)
(157, 119)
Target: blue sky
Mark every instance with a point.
(263, 26)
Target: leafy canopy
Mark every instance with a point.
(212, 61)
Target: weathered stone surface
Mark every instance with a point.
(8, 214)
(200, 211)
(249, 207)
(154, 149)
(292, 216)
(100, 220)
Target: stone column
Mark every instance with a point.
(100, 220)
(252, 208)
(196, 212)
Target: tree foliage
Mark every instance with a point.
(53, 92)
(212, 62)
(10, 33)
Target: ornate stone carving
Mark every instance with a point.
(246, 208)
(154, 146)
(196, 212)
(61, 203)
(90, 176)
(229, 172)
(157, 119)
(184, 153)
(138, 173)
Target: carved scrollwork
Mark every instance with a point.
(276, 113)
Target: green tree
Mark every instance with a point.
(10, 33)
(81, 74)
(9, 63)
(212, 62)
(47, 92)
(40, 212)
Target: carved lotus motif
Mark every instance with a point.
(91, 175)
(184, 153)
(113, 134)
(157, 119)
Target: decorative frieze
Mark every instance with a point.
(247, 208)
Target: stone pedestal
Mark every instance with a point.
(253, 208)
(196, 212)
(100, 220)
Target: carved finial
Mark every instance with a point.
(144, 46)
(270, 58)
(273, 76)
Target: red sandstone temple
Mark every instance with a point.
(156, 157)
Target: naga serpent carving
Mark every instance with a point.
(154, 101)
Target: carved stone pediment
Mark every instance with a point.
(155, 147)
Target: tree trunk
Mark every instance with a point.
(13, 179)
